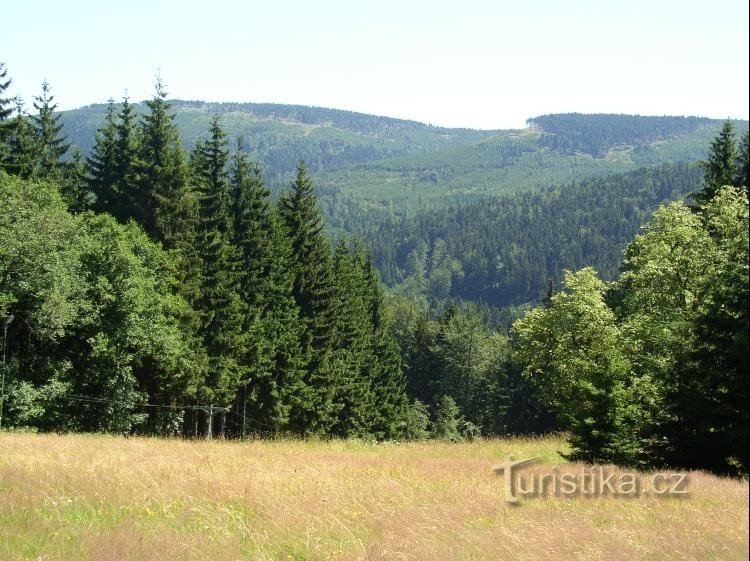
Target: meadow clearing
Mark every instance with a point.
(94, 497)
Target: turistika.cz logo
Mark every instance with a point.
(591, 482)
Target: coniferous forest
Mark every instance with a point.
(148, 288)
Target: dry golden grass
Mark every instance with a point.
(107, 498)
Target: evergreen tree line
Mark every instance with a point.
(652, 369)
(175, 282)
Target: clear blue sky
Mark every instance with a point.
(482, 64)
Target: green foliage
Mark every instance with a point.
(574, 351)
(417, 422)
(652, 370)
(219, 304)
(742, 165)
(595, 134)
(505, 250)
(51, 145)
(456, 355)
(448, 420)
(95, 315)
(719, 169)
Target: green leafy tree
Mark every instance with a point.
(448, 421)
(574, 350)
(97, 316)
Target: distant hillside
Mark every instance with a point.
(504, 250)
(386, 161)
(595, 134)
(279, 135)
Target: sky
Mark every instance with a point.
(470, 63)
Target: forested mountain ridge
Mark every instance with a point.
(594, 134)
(382, 159)
(278, 135)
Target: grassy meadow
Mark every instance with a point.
(92, 497)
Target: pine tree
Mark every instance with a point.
(313, 291)
(385, 367)
(6, 111)
(74, 185)
(219, 304)
(354, 400)
(102, 164)
(51, 146)
(126, 162)
(719, 169)
(21, 144)
(272, 353)
(742, 177)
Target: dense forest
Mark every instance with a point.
(595, 134)
(505, 250)
(150, 288)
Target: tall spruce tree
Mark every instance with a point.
(313, 291)
(127, 165)
(21, 144)
(102, 164)
(156, 187)
(6, 107)
(162, 201)
(272, 353)
(352, 352)
(219, 304)
(6, 111)
(719, 169)
(51, 146)
(742, 177)
(384, 368)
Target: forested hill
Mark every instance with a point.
(596, 133)
(505, 250)
(381, 158)
(279, 135)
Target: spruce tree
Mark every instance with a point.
(21, 143)
(162, 200)
(6, 111)
(102, 176)
(385, 367)
(272, 353)
(219, 304)
(719, 169)
(50, 145)
(352, 350)
(313, 291)
(126, 161)
(742, 177)
(6, 107)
